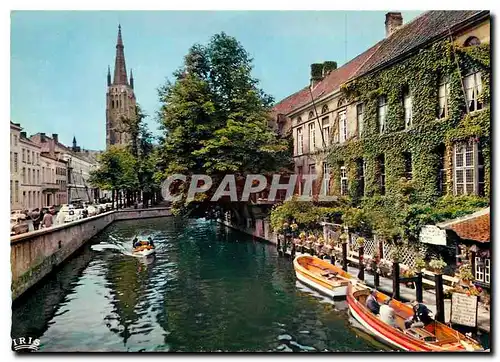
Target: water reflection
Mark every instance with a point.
(208, 288)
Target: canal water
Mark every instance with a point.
(209, 288)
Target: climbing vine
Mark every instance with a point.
(420, 74)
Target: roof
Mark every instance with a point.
(329, 84)
(475, 227)
(424, 28)
(415, 34)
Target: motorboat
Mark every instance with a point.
(322, 276)
(434, 337)
(144, 249)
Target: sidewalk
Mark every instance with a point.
(429, 299)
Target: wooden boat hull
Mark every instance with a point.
(307, 270)
(449, 340)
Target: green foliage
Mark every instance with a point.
(329, 65)
(405, 206)
(303, 213)
(421, 74)
(215, 117)
(116, 170)
(317, 71)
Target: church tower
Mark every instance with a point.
(120, 99)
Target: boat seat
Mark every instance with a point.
(420, 333)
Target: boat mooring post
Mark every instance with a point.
(361, 274)
(285, 244)
(438, 279)
(292, 253)
(419, 287)
(278, 245)
(344, 255)
(395, 280)
(332, 257)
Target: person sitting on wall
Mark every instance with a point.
(372, 304)
(422, 316)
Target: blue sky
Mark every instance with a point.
(59, 59)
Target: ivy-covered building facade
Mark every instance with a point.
(422, 113)
(401, 133)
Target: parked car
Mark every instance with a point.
(66, 214)
(18, 224)
(92, 210)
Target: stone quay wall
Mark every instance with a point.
(35, 254)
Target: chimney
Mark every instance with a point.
(316, 74)
(393, 21)
(328, 66)
(23, 135)
(55, 136)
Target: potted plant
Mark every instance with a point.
(419, 264)
(465, 274)
(344, 237)
(294, 228)
(437, 265)
(360, 241)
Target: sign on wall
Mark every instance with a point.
(431, 234)
(464, 309)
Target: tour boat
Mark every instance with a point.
(435, 337)
(321, 275)
(144, 250)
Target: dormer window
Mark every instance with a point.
(472, 41)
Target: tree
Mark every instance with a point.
(215, 117)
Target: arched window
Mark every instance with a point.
(311, 114)
(472, 41)
(324, 109)
(341, 102)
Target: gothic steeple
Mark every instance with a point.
(120, 69)
(131, 79)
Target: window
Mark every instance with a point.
(43, 174)
(469, 169)
(16, 190)
(15, 140)
(473, 87)
(483, 270)
(15, 162)
(443, 96)
(326, 179)
(300, 141)
(33, 157)
(301, 181)
(312, 171)
(325, 123)
(407, 107)
(360, 175)
(343, 181)
(24, 159)
(408, 165)
(472, 41)
(311, 115)
(382, 113)
(24, 175)
(37, 176)
(38, 159)
(343, 126)
(324, 110)
(360, 109)
(28, 153)
(29, 175)
(381, 173)
(312, 137)
(441, 151)
(11, 192)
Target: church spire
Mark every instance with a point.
(131, 79)
(120, 69)
(109, 76)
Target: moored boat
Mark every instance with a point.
(434, 337)
(321, 275)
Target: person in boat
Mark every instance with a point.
(387, 314)
(150, 241)
(136, 243)
(372, 304)
(422, 316)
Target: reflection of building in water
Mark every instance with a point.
(31, 313)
